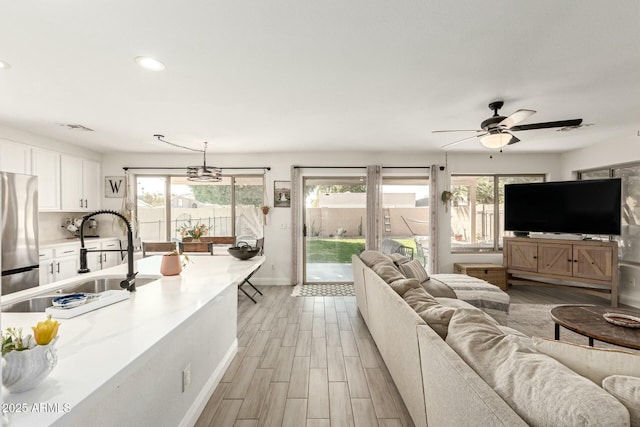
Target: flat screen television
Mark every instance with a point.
(581, 207)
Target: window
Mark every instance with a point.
(405, 212)
(230, 207)
(628, 242)
(477, 210)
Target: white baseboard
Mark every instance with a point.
(205, 394)
(633, 301)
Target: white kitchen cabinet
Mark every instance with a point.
(15, 158)
(94, 259)
(59, 263)
(111, 259)
(45, 165)
(79, 184)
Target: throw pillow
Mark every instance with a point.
(540, 389)
(398, 258)
(387, 271)
(433, 313)
(373, 257)
(590, 362)
(403, 285)
(627, 390)
(413, 269)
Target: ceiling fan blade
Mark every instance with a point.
(546, 125)
(516, 117)
(513, 140)
(461, 140)
(457, 130)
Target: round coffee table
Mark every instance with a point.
(587, 320)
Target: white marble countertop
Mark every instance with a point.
(96, 347)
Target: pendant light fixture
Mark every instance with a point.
(201, 173)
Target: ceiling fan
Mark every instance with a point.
(496, 131)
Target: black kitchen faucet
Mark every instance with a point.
(130, 282)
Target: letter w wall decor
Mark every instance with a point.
(114, 186)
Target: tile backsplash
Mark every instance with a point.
(50, 225)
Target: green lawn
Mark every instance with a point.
(340, 250)
(333, 250)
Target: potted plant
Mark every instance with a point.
(193, 231)
(27, 360)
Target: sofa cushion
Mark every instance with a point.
(627, 390)
(371, 258)
(590, 362)
(398, 258)
(436, 315)
(415, 270)
(401, 286)
(540, 389)
(387, 271)
(438, 289)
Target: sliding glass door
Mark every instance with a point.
(335, 218)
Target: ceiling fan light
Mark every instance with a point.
(496, 140)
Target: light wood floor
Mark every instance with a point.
(304, 361)
(310, 361)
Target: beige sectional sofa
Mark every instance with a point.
(446, 382)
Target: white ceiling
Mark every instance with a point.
(282, 75)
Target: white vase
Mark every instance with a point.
(23, 370)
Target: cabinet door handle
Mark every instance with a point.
(575, 260)
(85, 203)
(68, 252)
(51, 265)
(58, 267)
(535, 257)
(80, 202)
(104, 258)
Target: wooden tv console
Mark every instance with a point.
(594, 264)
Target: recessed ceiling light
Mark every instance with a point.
(4, 65)
(149, 63)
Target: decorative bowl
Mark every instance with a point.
(243, 251)
(621, 319)
(23, 370)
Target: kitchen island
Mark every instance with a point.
(126, 364)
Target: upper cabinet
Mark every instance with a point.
(15, 158)
(45, 165)
(79, 184)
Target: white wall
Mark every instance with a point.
(278, 230)
(626, 150)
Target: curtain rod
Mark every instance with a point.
(359, 167)
(126, 168)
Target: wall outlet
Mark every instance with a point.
(186, 377)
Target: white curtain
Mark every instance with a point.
(374, 200)
(296, 211)
(434, 205)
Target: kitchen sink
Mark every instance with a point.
(101, 285)
(34, 304)
(40, 303)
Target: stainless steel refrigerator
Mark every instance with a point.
(19, 232)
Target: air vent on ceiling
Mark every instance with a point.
(76, 127)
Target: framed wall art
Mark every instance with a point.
(282, 194)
